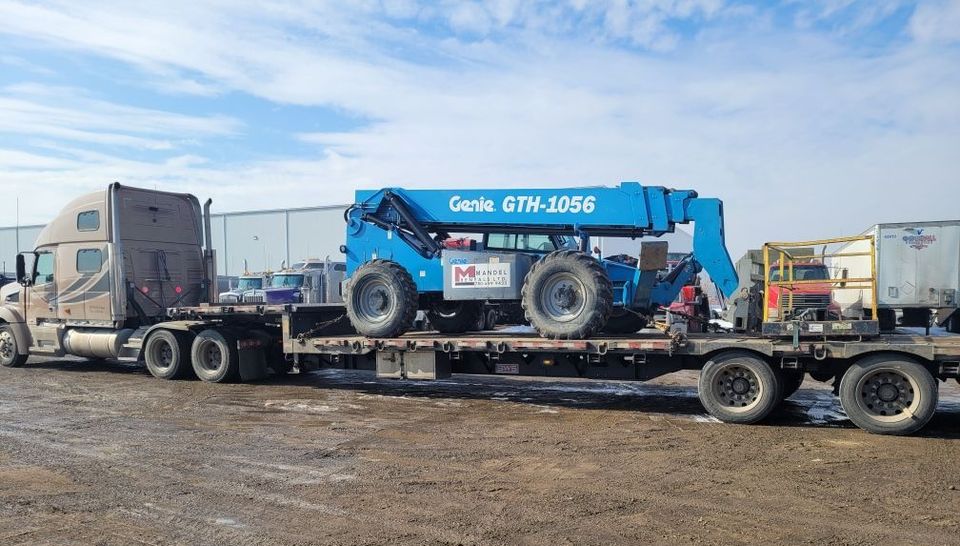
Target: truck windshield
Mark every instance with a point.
(250, 284)
(286, 281)
(802, 273)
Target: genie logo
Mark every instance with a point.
(480, 204)
(915, 238)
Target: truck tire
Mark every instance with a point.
(455, 317)
(215, 356)
(624, 321)
(381, 299)
(790, 381)
(888, 394)
(567, 295)
(739, 387)
(167, 354)
(10, 356)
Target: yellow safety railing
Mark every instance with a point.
(785, 262)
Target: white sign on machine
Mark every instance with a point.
(488, 275)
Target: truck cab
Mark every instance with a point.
(108, 265)
(799, 297)
(310, 281)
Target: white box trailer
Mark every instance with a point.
(918, 269)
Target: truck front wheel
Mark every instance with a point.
(167, 354)
(381, 299)
(567, 295)
(888, 394)
(10, 356)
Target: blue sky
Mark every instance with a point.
(808, 118)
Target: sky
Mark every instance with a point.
(809, 119)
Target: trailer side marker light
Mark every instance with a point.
(548, 362)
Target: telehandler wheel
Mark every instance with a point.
(381, 299)
(455, 317)
(888, 394)
(739, 387)
(567, 295)
(624, 321)
(215, 356)
(167, 354)
(10, 356)
(491, 320)
(790, 381)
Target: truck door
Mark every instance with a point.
(42, 298)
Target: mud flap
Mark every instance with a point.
(253, 364)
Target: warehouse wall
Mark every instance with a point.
(264, 239)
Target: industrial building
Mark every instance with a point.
(264, 239)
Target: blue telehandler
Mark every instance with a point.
(535, 251)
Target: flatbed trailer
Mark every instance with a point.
(886, 383)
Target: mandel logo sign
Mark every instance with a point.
(481, 276)
(916, 238)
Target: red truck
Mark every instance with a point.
(803, 296)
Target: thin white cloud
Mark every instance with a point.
(797, 132)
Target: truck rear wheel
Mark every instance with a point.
(567, 295)
(624, 321)
(167, 354)
(10, 356)
(381, 299)
(888, 394)
(215, 356)
(739, 387)
(454, 317)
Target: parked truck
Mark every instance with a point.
(125, 273)
(917, 270)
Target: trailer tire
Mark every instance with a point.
(167, 354)
(215, 356)
(567, 295)
(455, 317)
(739, 387)
(624, 321)
(888, 394)
(381, 299)
(10, 356)
(790, 381)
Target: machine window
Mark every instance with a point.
(88, 220)
(513, 241)
(44, 268)
(89, 260)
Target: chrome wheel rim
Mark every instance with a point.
(8, 347)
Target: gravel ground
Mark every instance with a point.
(102, 453)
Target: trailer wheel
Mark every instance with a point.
(10, 356)
(381, 299)
(888, 394)
(790, 381)
(624, 321)
(739, 387)
(215, 356)
(455, 317)
(567, 295)
(167, 354)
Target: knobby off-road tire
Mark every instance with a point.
(167, 354)
(10, 356)
(567, 295)
(215, 356)
(381, 299)
(739, 387)
(455, 317)
(888, 394)
(624, 321)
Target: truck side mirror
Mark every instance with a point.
(22, 271)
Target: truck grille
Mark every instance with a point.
(806, 301)
(253, 299)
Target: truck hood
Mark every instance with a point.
(8, 289)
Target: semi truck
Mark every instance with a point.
(126, 273)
